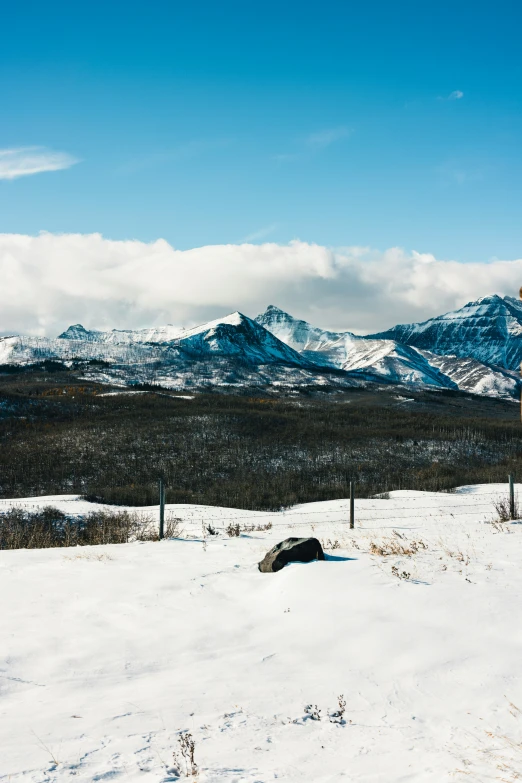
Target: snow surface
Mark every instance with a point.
(106, 653)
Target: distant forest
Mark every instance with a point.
(58, 434)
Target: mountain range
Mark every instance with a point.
(476, 349)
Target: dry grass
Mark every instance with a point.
(397, 545)
(500, 753)
(101, 558)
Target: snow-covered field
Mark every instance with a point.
(107, 653)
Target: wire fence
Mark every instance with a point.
(453, 505)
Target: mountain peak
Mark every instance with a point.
(272, 315)
(74, 332)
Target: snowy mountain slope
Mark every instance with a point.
(489, 330)
(7, 345)
(157, 334)
(326, 346)
(389, 358)
(475, 377)
(109, 652)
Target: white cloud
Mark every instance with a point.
(23, 161)
(326, 137)
(456, 95)
(50, 281)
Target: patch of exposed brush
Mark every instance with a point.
(397, 545)
(50, 527)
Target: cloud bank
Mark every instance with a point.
(23, 161)
(50, 281)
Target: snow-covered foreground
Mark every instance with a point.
(107, 653)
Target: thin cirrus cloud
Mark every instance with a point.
(326, 137)
(456, 95)
(50, 281)
(186, 151)
(18, 162)
(313, 143)
(261, 233)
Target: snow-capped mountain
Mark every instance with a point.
(234, 335)
(347, 351)
(278, 350)
(157, 334)
(232, 352)
(390, 359)
(489, 330)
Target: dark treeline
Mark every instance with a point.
(59, 435)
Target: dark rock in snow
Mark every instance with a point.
(291, 550)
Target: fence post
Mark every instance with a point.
(162, 509)
(352, 504)
(511, 497)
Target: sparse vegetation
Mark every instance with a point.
(400, 574)
(503, 509)
(329, 544)
(50, 527)
(338, 715)
(397, 545)
(184, 759)
(58, 434)
(313, 711)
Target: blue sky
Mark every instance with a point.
(369, 123)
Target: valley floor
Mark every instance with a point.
(107, 653)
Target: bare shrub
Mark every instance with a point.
(503, 509)
(400, 574)
(338, 715)
(499, 526)
(50, 527)
(256, 528)
(173, 527)
(233, 530)
(328, 544)
(313, 711)
(187, 749)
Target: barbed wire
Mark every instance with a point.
(213, 512)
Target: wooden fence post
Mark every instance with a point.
(352, 505)
(162, 509)
(511, 497)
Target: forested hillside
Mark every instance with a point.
(62, 435)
